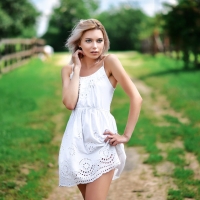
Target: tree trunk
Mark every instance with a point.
(186, 58)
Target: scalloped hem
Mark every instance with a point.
(86, 182)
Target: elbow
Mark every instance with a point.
(140, 100)
(69, 106)
(137, 100)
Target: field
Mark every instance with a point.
(29, 105)
(168, 127)
(32, 121)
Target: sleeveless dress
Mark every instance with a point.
(84, 156)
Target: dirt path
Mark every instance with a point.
(137, 181)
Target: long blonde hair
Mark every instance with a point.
(80, 28)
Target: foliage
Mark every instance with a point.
(125, 26)
(64, 18)
(182, 24)
(18, 19)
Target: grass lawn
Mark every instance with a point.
(31, 98)
(29, 101)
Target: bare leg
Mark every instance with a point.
(82, 188)
(98, 189)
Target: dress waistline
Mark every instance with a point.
(91, 108)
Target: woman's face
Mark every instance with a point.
(92, 43)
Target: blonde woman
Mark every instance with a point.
(92, 152)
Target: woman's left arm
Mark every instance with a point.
(117, 71)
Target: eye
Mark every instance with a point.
(100, 40)
(88, 40)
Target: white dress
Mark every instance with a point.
(84, 156)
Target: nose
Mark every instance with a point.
(94, 45)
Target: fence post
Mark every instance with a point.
(10, 58)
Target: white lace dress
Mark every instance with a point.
(84, 156)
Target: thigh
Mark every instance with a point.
(82, 188)
(98, 189)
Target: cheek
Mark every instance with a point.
(86, 47)
(102, 48)
(101, 45)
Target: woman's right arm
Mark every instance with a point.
(71, 86)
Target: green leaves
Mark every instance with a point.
(64, 18)
(125, 27)
(182, 24)
(18, 19)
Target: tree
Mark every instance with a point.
(18, 19)
(64, 18)
(182, 24)
(125, 26)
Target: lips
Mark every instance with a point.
(94, 52)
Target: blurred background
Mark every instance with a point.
(147, 26)
(157, 42)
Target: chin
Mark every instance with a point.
(94, 56)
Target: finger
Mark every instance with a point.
(115, 143)
(82, 52)
(112, 140)
(77, 52)
(107, 132)
(107, 138)
(110, 134)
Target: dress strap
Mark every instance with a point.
(104, 59)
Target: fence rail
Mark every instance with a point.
(16, 52)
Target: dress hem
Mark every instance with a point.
(114, 177)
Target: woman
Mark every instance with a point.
(92, 153)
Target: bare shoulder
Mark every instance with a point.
(110, 58)
(66, 70)
(112, 62)
(115, 68)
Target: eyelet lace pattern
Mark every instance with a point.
(84, 156)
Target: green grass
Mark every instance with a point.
(28, 102)
(31, 97)
(181, 87)
(174, 195)
(176, 156)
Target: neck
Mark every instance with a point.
(89, 63)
